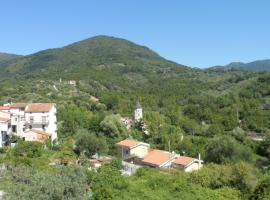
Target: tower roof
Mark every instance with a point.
(138, 105)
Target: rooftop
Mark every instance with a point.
(2, 119)
(4, 107)
(18, 105)
(39, 132)
(130, 143)
(39, 107)
(157, 157)
(138, 105)
(183, 160)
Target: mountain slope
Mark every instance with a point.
(5, 57)
(82, 59)
(259, 65)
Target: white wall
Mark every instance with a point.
(4, 127)
(17, 119)
(138, 114)
(50, 125)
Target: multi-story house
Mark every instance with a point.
(41, 117)
(34, 121)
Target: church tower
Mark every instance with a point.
(138, 112)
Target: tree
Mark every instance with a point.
(113, 127)
(264, 147)
(262, 191)
(225, 149)
(61, 183)
(73, 119)
(89, 143)
(108, 183)
(27, 149)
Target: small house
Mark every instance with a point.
(187, 164)
(35, 135)
(129, 148)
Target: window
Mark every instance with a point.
(30, 127)
(44, 119)
(14, 128)
(31, 119)
(43, 127)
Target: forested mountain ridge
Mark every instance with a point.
(5, 57)
(96, 54)
(255, 66)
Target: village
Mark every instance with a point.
(38, 122)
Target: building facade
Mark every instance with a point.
(5, 130)
(138, 113)
(39, 117)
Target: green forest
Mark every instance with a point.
(216, 113)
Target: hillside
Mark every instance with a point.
(256, 66)
(5, 57)
(189, 111)
(92, 56)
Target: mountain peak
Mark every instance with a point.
(97, 53)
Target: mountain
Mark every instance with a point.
(5, 57)
(256, 66)
(93, 56)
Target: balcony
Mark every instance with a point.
(40, 122)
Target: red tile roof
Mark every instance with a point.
(39, 107)
(41, 135)
(130, 143)
(2, 119)
(93, 98)
(18, 105)
(39, 132)
(157, 157)
(183, 160)
(4, 108)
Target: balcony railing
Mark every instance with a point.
(37, 122)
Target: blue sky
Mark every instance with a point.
(196, 33)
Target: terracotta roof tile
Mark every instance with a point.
(39, 132)
(2, 119)
(39, 107)
(4, 107)
(183, 160)
(157, 157)
(128, 143)
(18, 105)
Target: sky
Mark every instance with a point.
(197, 33)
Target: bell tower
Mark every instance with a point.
(138, 115)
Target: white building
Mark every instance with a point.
(4, 130)
(17, 118)
(36, 119)
(72, 82)
(138, 115)
(187, 164)
(132, 148)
